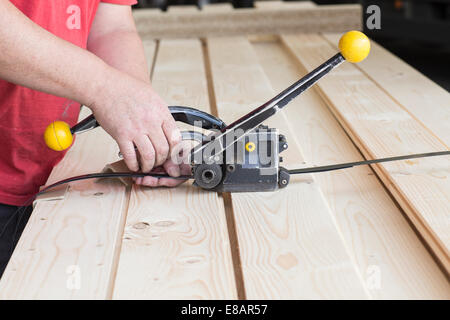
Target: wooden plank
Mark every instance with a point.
(176, 240)
(149, 50)
(182, 8)
(69, 247)
(378, 236)
(283, 5)
(217, 7)
(75, 235)
(289, 245)
(326, 18)
(380, 127)
(423, 98)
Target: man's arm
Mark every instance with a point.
(114, 38)
(32, 57)
(126, 107)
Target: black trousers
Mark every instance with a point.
(12, 222)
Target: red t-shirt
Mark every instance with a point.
(25, 160)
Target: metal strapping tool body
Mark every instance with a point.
(245, 155)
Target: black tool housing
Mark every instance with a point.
(251, 164)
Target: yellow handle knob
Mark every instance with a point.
(354, 46)
(57, 136)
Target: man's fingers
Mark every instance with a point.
(166, 182)
(186, 170)
(129, 154)
(146, 152)
(171, 168)
(149, 181)
(174, 170)
(160, 144)
(160, 182)
(172, 133)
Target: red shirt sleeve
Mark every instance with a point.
(124, 2)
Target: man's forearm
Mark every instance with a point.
(123, 102)
(32, 57)
(121, 49)
(113, 37)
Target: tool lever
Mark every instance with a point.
(85, 125)
(254, 118)
(269, 108)
(195, 117)
(307, 81)
(187, 115)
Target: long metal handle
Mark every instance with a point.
(236, 130)
(269, 108)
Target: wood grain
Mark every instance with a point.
(77, 234)
(182, 8)
(424, 99)
(183, 24)
(379, 238)
(69, 247)
(284, 5)
(217, 7)
(289, 244)
(176, 242)
(327, 235)
(381, 128)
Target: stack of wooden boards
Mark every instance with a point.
(268, 17)
(380, 232)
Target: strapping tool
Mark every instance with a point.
(242, 156)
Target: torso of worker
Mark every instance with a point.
(25, 160)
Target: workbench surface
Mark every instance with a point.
(379, 232)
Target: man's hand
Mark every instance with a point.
(134, 115)
(130, 111)
(185, 169)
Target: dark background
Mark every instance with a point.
(418, 31)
